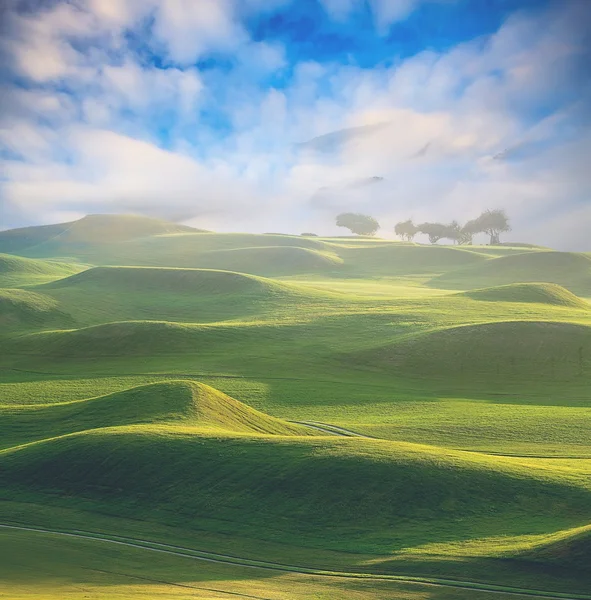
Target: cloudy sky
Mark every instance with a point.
(275, 115)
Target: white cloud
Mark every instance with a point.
(95, 145)
(188, 28)
(387, 12)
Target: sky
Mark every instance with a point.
(276, 115)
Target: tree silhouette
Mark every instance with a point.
(406, 230)
(493, 223)
(435, 231)
(358, 223)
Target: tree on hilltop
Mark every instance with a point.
(493, 223)
(453, 231)
(358, 223)
(468, 231)
(406, 230)
(435, 231)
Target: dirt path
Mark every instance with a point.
(331, 429)
(258, 564)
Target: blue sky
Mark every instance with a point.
(260, 115)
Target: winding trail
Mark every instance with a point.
(331, 429)
(270, 566)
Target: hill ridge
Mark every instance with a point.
(179, 402)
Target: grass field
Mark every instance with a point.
(383, 419)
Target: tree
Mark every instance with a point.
(406, 230)
(358, 223)
(435, 231)
(306, 234)
(468, 231)
(493, 223)
(453, 231)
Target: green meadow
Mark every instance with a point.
(269, 416)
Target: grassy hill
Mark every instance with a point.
(18, 240)
(510, 349)
(543, 293)
(302, 485)
(364, 406)
(272, 260)
(568, 269)
(190, 295)
(184, 403)
(17, 271)
(570, 548)
(21, 309)
(65, 238)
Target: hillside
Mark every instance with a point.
(566, 549)
(542, 293)
(65, 238)
(521, 350)
(178, 281)
(17, 271)
(302, 485)
(361, 405)
(568, 269)
(24, 310)
(179, 295)
(272, 260)
(184, 403)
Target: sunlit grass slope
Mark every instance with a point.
(544, 293)
(144, 280)
(184, 403)
(513, 349)
(68, 568)
(325, 492)
(66, 239)
(469, 366)
(569, 548)
(22, 310)
(131, 240)
(17, 271)
(568, 269)
(18, 240)
(139, 338)
(271, 260)
(105, 294)
(396, 259)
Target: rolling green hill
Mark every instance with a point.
(568, 269)
(22, 309)
(18, 240)
(17, 271)
(271, 260)
(180, 402)
(143, 280)
(505, 349)
(192, 295)
(543, 293)
(571, 548)
(65, 238)
(397, 259)
(300, 485)
(353, 405)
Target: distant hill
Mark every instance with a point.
(102, 229)
(540, 293)
(568, 269)
(16, 270)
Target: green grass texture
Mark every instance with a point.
(349, 408)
